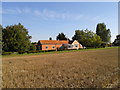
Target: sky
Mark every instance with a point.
(48, 19)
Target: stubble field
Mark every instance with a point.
(76, 69)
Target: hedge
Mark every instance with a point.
(21, 52)
(6, 53)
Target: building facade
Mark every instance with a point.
(72, 45)
(58, 44)
(50, 44)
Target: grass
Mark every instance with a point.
(53, 52)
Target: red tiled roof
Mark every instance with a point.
(53, 41)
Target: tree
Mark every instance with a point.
(87, 38)
(104, 33)
(117, 40)
(1, 28)
(50, 38)
(32, 47)
(16, 38)
(61, 36)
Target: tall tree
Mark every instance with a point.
(1, 28)
(16, 38)
(61, 36)
(117, 40)
(104, 33)
(87, 38)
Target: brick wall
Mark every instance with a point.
(51, 46)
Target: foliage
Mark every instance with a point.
(32, 47)
(32, 51)
(6, 53)
(61, 36)
(1, 28)
(104, 33)
(34, 43)
(16, 38)
(87, 38)
(21, 52)
(117, 40)
(109, 45)
(103, 44)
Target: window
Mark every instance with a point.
(69, 46)
(76, 45)
(46, 47)
(53, 46)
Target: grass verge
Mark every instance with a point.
(53, 52)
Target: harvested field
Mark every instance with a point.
(77, 69)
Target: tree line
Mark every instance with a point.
(16, 38)
(88, 38)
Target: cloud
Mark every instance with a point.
(16, 11)
(47, 14)
(37, 13)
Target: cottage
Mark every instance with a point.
(58, 44)
(72, 45)
(50, 44)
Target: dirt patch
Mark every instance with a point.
(81, 69)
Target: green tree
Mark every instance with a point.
(87, 38)
(61, 36)
(1, 28)
(104, 33)
(16, 38)
(117, 40)
(32, 47)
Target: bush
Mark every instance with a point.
(109, 45)
(39, 51)
(33, 51)
(103, 45)
(90, 47)
(21, 52)
(32, 47)
(6, 53)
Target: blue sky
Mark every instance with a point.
(47, 19)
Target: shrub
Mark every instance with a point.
(33, 51)
(37, 51)
(109, 45)
(21, 52)
(6, 53)
(32, 47)
(103, 45)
